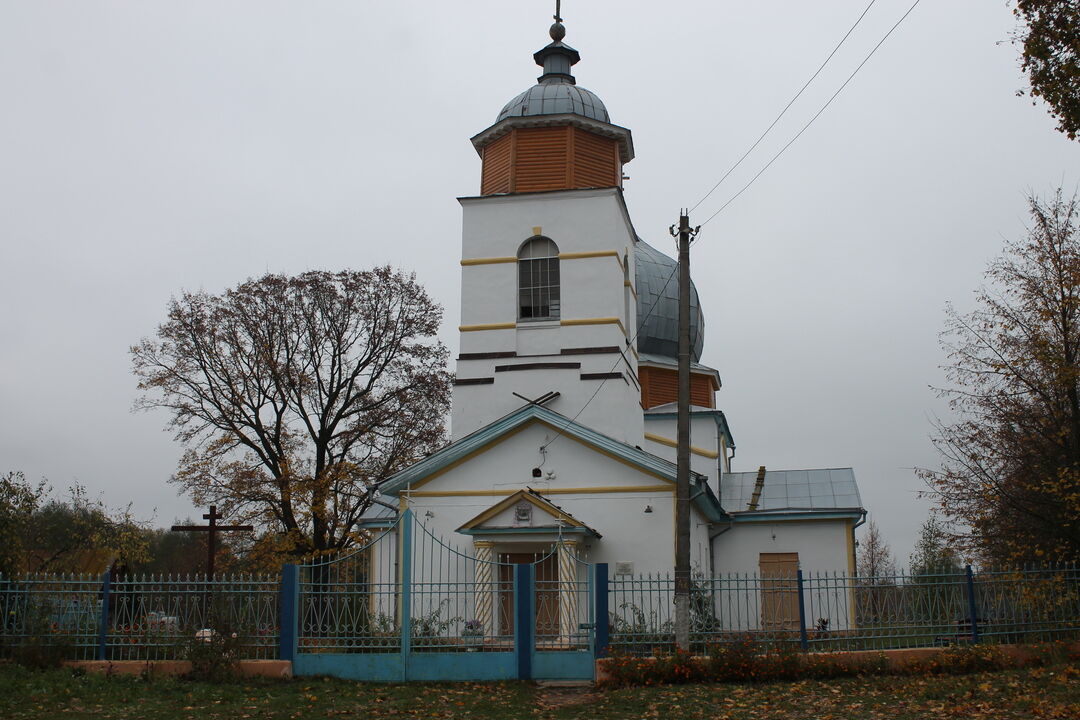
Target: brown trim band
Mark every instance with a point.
(487, 355)
(603, 376)
(539, 366)
(608, 350)
(474, 381)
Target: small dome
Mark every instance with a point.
(555, 98)
(658, 283)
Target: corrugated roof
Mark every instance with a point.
(825, 489)
(378, 513)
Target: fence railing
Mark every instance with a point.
(356, 607)
(139, 617)
(834, 611)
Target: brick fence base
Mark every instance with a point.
(1020, 655)
(281, 669)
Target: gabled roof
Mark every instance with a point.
(494, 432)
(561, 520)
(490, 435)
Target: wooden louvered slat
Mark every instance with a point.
(660, 386)
(495, 175)
(549, 158)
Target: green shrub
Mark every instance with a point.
(44, 643)
(214, 656)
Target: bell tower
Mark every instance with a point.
(548, 306)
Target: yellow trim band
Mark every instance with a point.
(671, 443)
(488, 260)
(595, 321)
(589, 254)
(488, 326)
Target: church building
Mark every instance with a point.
(563, 419)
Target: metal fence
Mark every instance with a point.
(60, 612)
(139, 617)
(834, 611)
(160, 617)
(460, 602)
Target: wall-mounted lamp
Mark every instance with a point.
(429, 514)
(648, 508)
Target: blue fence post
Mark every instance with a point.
(804, 641)
(103, 623)
(600, 609)
(973, 609)
(290, 612)
(524, 624)
(406, 591)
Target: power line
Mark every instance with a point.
(817, 114)
(790, 103)
(640, 327)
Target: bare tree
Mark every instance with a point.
(875, 591)
(875, 557)
(296, 396)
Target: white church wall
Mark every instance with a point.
(703, 435)
(576, 220)
(613, 411)
(598, 490)
(594, 311)
(823, 547)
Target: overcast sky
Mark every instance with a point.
(148, 147)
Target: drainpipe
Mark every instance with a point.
(854, 542)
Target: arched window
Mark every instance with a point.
(538, 279)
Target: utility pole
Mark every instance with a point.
(682, 452)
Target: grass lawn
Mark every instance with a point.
(1048, 692)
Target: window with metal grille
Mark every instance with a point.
(538, 280)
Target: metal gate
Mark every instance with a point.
(409, 606)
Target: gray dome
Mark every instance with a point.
(659, 333)
(555, 98)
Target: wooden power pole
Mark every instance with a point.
(682, 453)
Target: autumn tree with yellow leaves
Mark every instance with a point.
(1010, 473)
(295, 397)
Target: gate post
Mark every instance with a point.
(524, 619)
(973, 610)
(405, 580)
(804, 641)
(103, 623)
(600, 609)
(290, 611)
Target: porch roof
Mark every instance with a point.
(562, 521)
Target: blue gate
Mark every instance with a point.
(408, 606)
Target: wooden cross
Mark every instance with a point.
(213, 529)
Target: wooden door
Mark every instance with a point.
(779, 591)
(546, 598)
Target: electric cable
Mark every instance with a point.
(786, 107)
(816, 115)
(622, 358)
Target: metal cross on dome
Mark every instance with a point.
(558, 5)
